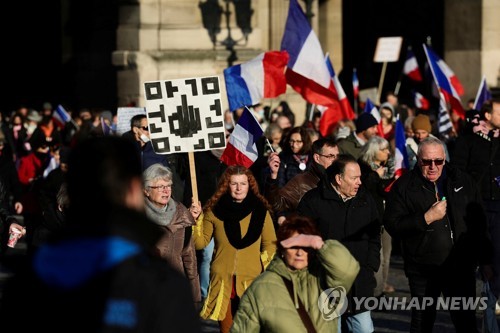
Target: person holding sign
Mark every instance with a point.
(174, 220)
(239, 219)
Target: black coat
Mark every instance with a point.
(459, 238)
(355, 223)
(480, 158)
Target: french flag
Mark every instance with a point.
(440, 72)
(410, 67)
(401, 164)
(483, 94)
(371, 108)
(241, 148)
(420, 101)
(307, 72)
(333, 114)
(261, 77)
(61, 116)
(355, 84)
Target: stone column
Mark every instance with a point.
(472, 42)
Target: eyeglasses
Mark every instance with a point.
(330, 157)
(438, 161)
(295, 141)
(161, 187)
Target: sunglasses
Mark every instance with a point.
(439, 161)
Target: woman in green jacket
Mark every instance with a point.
(303, 289)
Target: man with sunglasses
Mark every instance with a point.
(436, 212)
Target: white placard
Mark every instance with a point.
(124, 115)
(388, 49)
(185, 115)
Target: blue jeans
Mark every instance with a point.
(358, 323)
(205, 268)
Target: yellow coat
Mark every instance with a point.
(245, 264)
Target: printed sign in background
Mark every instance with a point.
(124, 115)
(185, 115)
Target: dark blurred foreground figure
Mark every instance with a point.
(98, 275)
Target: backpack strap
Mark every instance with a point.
(304, 316)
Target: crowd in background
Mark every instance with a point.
(227, 240)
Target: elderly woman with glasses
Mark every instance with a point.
(175, 221)
(377, 173)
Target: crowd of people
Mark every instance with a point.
(117, 242)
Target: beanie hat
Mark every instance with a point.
(421, 122)
(365, 121)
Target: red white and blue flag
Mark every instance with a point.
(261, 77)
(420, 101)
(61, 116)
(483, 95)
(355, 84)
(441, 72)
(410, 67)
(371, 108)
(401, 164)
(401, 159)
(333, 114)
(241, 148)
(306, 72)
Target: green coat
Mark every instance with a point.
(267, 306)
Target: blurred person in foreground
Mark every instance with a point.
(294, 281)
(99, 273)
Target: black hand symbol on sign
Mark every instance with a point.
(188, 119)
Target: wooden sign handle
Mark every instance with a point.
(192, 171)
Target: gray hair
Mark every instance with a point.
(370, 149)
(156, 172)
(430, 140)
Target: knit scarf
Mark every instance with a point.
(231, 213)
(161, 216)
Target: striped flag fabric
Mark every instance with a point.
(441, 73)
(445, 125)
(261, 77)
(420, 101)
(306, 72)
(371, 108)
(61, 116)
(410, 67)
(401, 163)
(483, 94)
(332, 114)
(355, 84)
(241, 148)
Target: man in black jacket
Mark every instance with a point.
(478, 154)
(436, 211)
(98, 274)
(346, 212)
